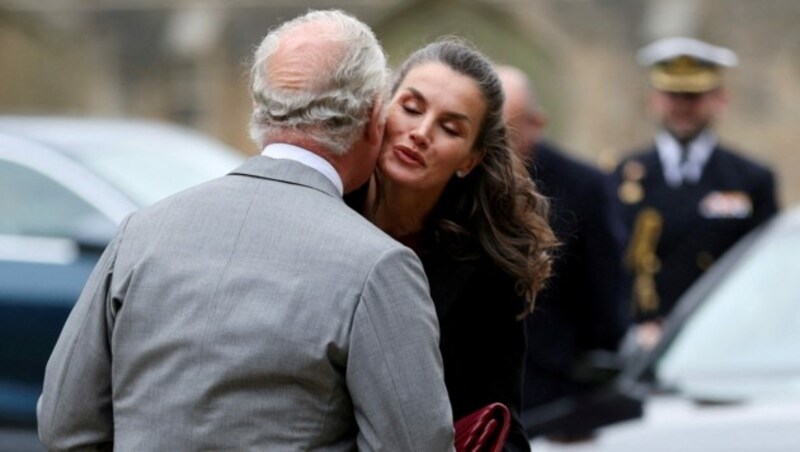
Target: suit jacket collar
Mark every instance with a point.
(287, 171)
(306, 157)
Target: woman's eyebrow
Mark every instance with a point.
(450, 114)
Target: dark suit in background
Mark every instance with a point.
(583, 307)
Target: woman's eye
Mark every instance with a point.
(411, 109)
(450, 130)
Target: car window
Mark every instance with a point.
(747, 329)
(32, 204)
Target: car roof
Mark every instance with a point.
(63, 133)
(97, 145)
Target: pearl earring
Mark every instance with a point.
(461, 173)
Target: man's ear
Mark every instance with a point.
(373, 132)
(538, 120)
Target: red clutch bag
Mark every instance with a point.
(483, 430)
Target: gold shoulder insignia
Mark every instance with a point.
(642, 259)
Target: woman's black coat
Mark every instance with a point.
(482, 342)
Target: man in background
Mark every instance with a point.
(258, 311)
(687, 198)
(582, 310)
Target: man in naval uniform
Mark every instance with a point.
(687, 198)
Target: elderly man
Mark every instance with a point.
(257, 311)
(686, 198)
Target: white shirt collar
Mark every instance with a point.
(306, 157)
(698, 152)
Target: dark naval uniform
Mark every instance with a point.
(687, 199)
(582, 307)
(691, 224)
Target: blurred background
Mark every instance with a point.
(66, 184)
(185, 61)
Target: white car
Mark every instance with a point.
(726, 374)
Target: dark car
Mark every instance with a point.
(726, 374)
(65, 184)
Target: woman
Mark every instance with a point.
(448, 187)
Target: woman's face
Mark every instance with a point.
(433, 121)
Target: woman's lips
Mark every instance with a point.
(409, 156)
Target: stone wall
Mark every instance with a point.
(121, 58)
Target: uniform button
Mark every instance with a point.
(630, 192)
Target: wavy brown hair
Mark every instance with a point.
(496, 209)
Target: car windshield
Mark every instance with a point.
(744, 340)
(150, 167)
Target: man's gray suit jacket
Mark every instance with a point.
(253, 312)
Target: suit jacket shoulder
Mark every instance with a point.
(550, 162)
(749, 166)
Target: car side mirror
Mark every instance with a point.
(598, 367)
(607, 398)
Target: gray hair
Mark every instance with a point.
(334, 107)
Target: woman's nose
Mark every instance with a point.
(421, 135)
